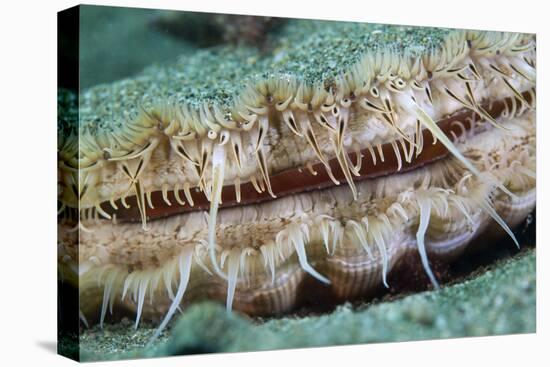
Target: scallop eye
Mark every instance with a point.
(374, 92)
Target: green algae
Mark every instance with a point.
(305, 50)
(500, 300)
(319, 51)
(67, 112)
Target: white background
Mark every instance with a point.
(28, 182)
